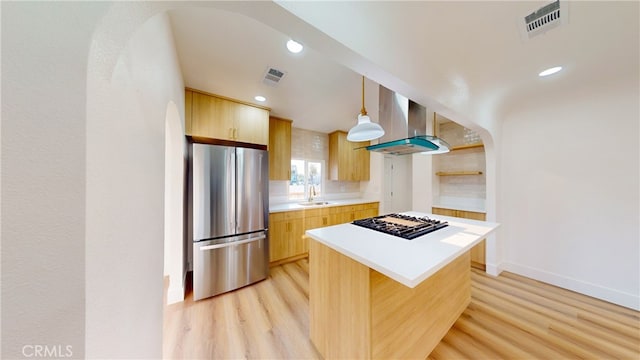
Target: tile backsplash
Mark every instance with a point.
(310, 145)
(314, 146)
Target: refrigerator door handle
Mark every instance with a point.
(235, 243)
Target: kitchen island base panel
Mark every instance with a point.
(357, 312)
(339, 304)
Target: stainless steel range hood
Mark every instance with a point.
(405, 124)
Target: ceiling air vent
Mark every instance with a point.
(273, 76)
(544, 19)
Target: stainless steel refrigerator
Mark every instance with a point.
(228, 215)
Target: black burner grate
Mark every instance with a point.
(404, 226)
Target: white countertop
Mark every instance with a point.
(407, 261)
(296, 206)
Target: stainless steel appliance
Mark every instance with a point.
(228, 216)
(405, 124)
(404, 226)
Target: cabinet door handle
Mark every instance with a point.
(233, 243)
(324, 221)
(235, 133)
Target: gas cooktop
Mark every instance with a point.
(404, 226)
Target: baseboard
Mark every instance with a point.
(493, 269)
(175, 295)
(630, 301)
(288, 260)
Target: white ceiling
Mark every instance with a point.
(463, 59)
(227, 53)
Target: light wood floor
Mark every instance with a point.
(510, 317)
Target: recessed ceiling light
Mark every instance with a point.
(550, 71)
(260, 98)
(294, 46)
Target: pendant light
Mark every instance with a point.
(365, 130)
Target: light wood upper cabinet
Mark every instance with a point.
(348, 161)
(279, 149)
(188, 103)
(212, 117)
(251, 124)
(221, 118)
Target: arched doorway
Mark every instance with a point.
(135, 102)
(132, 75)
(174, 159)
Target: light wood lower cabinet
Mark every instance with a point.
(316, 218)
(286, 229)
(478, 252)
(368, 210)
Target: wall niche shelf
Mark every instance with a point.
(467, 146)
(458, 173)
(458, 177)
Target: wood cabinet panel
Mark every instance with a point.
(297, 245)
(472, 215)
(357, 313)
(361, 161)
(349, 213)
(318, 221)
(478, 252)
(279, 149)
(422, 309)
(251, 124)
(339, 303)
(188, 103)
(366, 213)
(445, 212)
(216, 117)
(278, 244)
(348, 161)
(287, 241)
(212, 117)
(285, 238)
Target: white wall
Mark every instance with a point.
(372, 189)
(82, 165)
(83, 115)
(397, 184)
(127, 109)
(422, 185)
(174, 176)
(44, 62)
(83, 110)
(569, 192)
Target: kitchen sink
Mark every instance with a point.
(313, 203)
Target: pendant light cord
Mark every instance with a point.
(363, 111)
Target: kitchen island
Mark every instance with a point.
(374, 295)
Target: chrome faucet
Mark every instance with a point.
(312, 193)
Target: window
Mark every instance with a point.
(306, 178)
